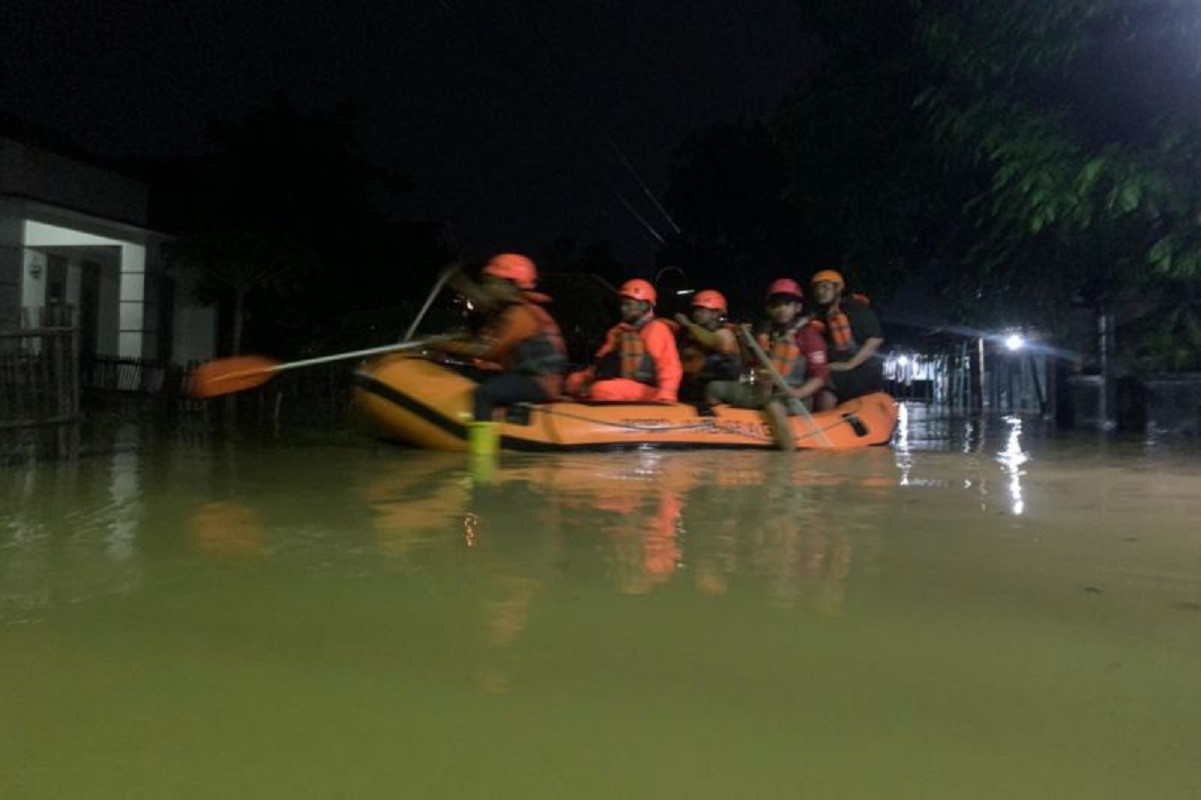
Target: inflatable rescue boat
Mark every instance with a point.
(426, 404)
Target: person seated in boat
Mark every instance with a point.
(638, 362)
(794, 347)
(518, 336)
(707, 344)
(853, 336)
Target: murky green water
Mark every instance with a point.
(976, 613)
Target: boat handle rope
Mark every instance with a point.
(707, 425)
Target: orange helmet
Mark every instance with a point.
(828, 275)
(711, 299)
(785, 286)
(638, 289)
(513, 267)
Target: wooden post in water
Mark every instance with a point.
(976, 366)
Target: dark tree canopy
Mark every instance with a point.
(1031, 154)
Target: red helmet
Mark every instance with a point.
(711, 299)
(638, 289)
(828, 275)
(513, 267)
(785, 286)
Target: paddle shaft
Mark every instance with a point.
(371, 351)
(778, 380)
(429, 301)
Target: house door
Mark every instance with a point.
(89, 308)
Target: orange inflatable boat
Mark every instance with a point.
(426, 404)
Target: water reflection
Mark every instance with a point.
(588, 608)
(794, 531)
(68, 533)
(1011, 459)
(653, 521)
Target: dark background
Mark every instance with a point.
(512, 118)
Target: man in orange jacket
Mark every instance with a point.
(518, 335)
(639, 361)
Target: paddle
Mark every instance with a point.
(446, 275)
(794, 405)
(239, 373)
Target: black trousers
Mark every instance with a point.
(504, 389)
(866, 378)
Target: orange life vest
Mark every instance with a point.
(542, 354)
(837, 326)
(629, 357)
(782, 350)
(706, 363)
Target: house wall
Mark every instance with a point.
(33, 285)
(195, 325)
(95, 218)
(121, 296)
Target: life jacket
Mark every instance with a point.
(542, 354)
(836, 326)
(629, 357)
(705, 363)
(782, 350)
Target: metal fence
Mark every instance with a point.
(960, 377)
(39, 369)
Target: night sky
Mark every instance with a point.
(501, 111)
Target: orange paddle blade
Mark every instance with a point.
(229, 375)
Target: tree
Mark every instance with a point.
(240, 262)
(1081, 117)
(287, 202)
(874, 198)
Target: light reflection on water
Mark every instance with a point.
(948, 607)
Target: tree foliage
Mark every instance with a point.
(1081, 118)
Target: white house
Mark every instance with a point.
(76, 234)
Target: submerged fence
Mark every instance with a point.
(39, 369)
(958, 377)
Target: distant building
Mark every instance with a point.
(73, 232)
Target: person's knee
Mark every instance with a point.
(620, 390)
(721, 391)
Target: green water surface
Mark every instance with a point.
(975, 613)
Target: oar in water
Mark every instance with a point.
(794, 405)
(237, 374)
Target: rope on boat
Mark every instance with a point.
(709, 425)
(630, 426)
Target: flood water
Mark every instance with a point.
(984, 610)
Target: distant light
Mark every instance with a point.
(903, 361)
(470, 307)
(1015, 342)
(682, 292)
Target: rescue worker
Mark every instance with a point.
(518, 336)
(795, 348)
(708, 347)
(853, 336)
(638, 362)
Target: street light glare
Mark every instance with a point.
(1015, 342)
